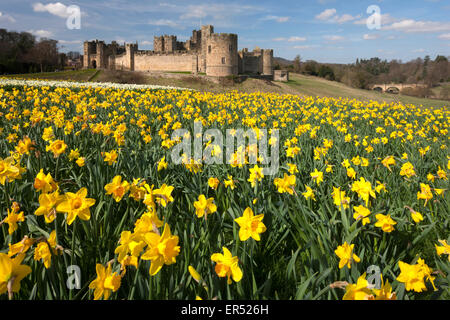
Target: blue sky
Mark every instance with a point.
(323, 30)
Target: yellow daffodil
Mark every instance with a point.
(358, 291)
(385, 222)
(163, 195)
(44, 182)
(361, 213)
(213, 183)
(204, 207)
(58, 147)
(76, 205)
(285, 184)
(20, 247)
(47, 205)
(250, 225)
(317, 176)
(346, 255)
(12, 271)
(444, 249)
(110, 157)
(117, 188)
(364, 190)
(227, 266)
(309, 193)
(162, 164)
(339, 198)
(105, 283)
(162, 249)
(45, 250)
(12, 219)
(407, 170)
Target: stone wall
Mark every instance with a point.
(164, 62)
(206, 52)
(251, 64)
(281, 75)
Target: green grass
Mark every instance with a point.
(75, 75)
(180, 72)
(314, 86)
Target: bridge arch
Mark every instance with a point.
(379, 89)
(392, 89)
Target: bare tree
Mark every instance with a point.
(45, 53)
(297, 64)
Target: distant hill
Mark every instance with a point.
(282, 61)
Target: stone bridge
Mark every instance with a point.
(395, 87)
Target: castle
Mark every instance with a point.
(213, 54)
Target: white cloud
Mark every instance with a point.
(329, 15)
(70, 41)
(295, 39)
(290, 39)
(346, 18)
(326, 14)
(275, 18)
(217, 11)
(146, 43)
(333, 38)
(445, 36)
(41, 33)
(413, 26)
(56, 9)
(166, 23)
(371, 36)
(305, 47)
(419, 50)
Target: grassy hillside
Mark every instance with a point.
(315, 86)
(298, 85)
(75, 75)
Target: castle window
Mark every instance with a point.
(230, 47)
(209, 49)
(223, 60)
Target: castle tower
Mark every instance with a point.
(221, 54)
(130, 48)
(158, 44)
(206, 32)
(86, 55)
(267, 58)
(170, 44)
(100, 55)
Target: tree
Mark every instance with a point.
(326, 72)
(45, 53)
(297, 64)
(310, 67)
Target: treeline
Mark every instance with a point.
(20, 52)
(366, 72)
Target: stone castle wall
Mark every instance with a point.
(161, 62)
(215, 54)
